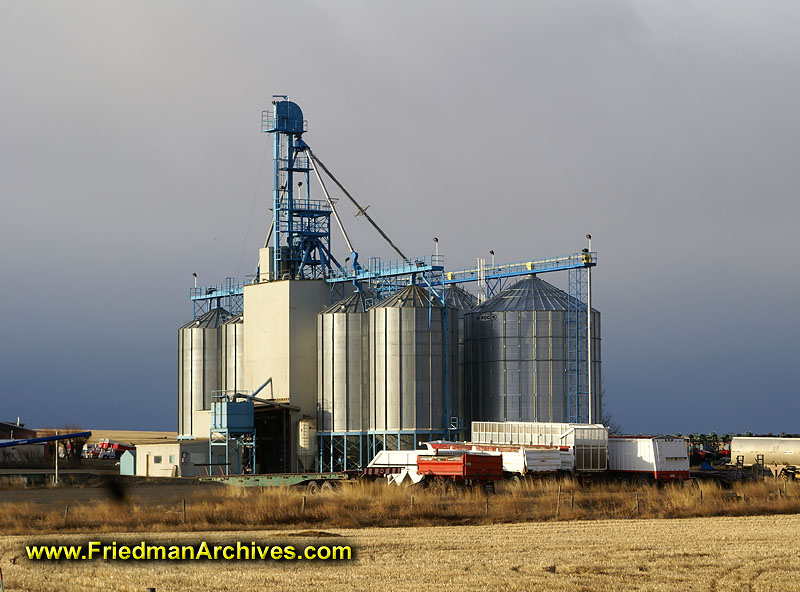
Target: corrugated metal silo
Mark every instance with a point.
(199, 365)
(414, 360)
(232, 346)
(516, 347)
(462, 301)
(343, 365)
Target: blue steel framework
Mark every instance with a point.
(221, 436)
(301, 243)
(577, 348)
(342, 451)
(228, 296)
(301, 236)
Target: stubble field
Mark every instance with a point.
(752, 553)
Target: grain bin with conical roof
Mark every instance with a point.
(516, 348)
(462, 301)
(199, 368)
(343, 365)
(413, 369)
(232, 348)
(343, 382)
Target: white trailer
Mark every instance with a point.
(587, 443)
(648, 458)
(404, 460)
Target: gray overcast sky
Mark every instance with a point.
(130, 151)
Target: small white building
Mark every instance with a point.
(183, 458)
(176, 458)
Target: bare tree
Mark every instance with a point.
(613, 426)
(608, 419)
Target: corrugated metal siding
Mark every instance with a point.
(343, 366)
(516, 354)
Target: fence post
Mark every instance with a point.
(303, 506)
(572, 500)
(66, 511)
(184, 510)
(701, 497)
(412, 501)
(487, 504)
(558, 501)
(637, 503)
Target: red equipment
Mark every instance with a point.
(468, 466)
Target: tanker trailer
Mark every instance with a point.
(780, 455)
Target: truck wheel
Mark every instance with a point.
(327, 487)
(642, 482)
(312, 488)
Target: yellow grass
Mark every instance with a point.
(731, 554)
(131, 436)
(373, 504)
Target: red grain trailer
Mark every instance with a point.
(469, 468)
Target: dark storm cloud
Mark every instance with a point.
(131, 151)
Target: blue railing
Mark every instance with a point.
(269, 123)
(377, 269)
(219, 291)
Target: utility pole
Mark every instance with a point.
(55, 454)
(589, 328)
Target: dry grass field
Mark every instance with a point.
(150, 507)
(755, 553)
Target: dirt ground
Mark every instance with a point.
(742, 553)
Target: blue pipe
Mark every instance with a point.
(44, 439)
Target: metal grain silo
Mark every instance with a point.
(232, 347)
(516, 348)
(343, 365)
(462, 301)
(413, 369)
(199, 365)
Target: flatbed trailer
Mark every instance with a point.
(314, 482)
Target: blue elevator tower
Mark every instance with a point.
(301, 236)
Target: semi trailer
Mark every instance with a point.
(647, 459)
(780, 456)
